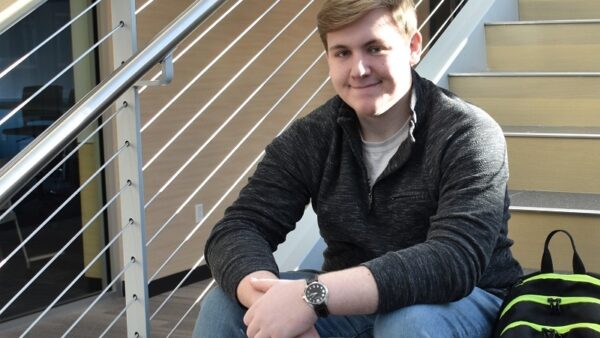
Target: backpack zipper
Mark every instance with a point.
(557, 329)
(571, 278)
(549, 300)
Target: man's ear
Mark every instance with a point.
(415, 48)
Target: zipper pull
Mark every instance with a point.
(551, 333)
(554, 305)
(370, 199)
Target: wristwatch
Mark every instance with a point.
(315, 294)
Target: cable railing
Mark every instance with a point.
(52, 142)
(225, 159)
(101, 102)
(57, 254)
(117, 278)
(47, 40)
(20, 106)
(98, 256)
(186, 49)
(196, 78)
(236, 182)
(237, 146)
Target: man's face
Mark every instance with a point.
(370, 63)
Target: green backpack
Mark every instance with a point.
(546, 304)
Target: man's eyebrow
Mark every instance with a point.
(336, 47)
(368, 43)
(373, 41)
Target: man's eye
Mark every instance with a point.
(341, 53)
(374, 50)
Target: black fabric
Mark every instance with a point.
(548, 304)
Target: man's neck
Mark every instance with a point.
(381, 127)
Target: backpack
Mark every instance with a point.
(546, 304)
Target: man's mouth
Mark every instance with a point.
(364, 86)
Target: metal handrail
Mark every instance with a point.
(16, 11)
(53, 140)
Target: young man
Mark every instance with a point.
(409, 185)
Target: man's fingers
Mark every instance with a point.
(248, 317)
(312, 333)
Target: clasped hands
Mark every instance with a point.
(277, 310)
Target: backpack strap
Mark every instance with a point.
(547, 267)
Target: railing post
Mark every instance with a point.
(130, 172)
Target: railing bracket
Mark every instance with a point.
(165, 77)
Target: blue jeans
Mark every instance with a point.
(472, 316)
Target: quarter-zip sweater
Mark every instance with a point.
(432, 227)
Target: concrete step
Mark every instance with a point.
(559, 9)
(535, 214)
(554, 159)
(544, 45)
(533, 98)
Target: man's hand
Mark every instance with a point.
(246, 293)
(280, 312)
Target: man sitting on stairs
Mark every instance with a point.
(409, 185)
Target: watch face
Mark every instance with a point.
(316, 293)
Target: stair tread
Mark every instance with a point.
(555, 202)
(543, 22)
(526, 74)
(551, 131)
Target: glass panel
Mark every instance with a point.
(26, 80)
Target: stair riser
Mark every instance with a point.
(529, 230)
(534, 100)
(554, 164)
(544, 47)
(559, 9)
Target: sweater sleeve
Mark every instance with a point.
(267, 208)
(471, 183)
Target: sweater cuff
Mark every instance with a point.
(394, 292)
(229, 274)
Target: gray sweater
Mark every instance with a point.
(432, 228)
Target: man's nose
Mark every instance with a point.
(360, 68)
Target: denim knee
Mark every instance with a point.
(220, 316)
(417, 321)
(470, 317)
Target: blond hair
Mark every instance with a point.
(336, 14)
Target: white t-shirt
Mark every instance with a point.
(377, 155)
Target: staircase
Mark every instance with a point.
(543, 88)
